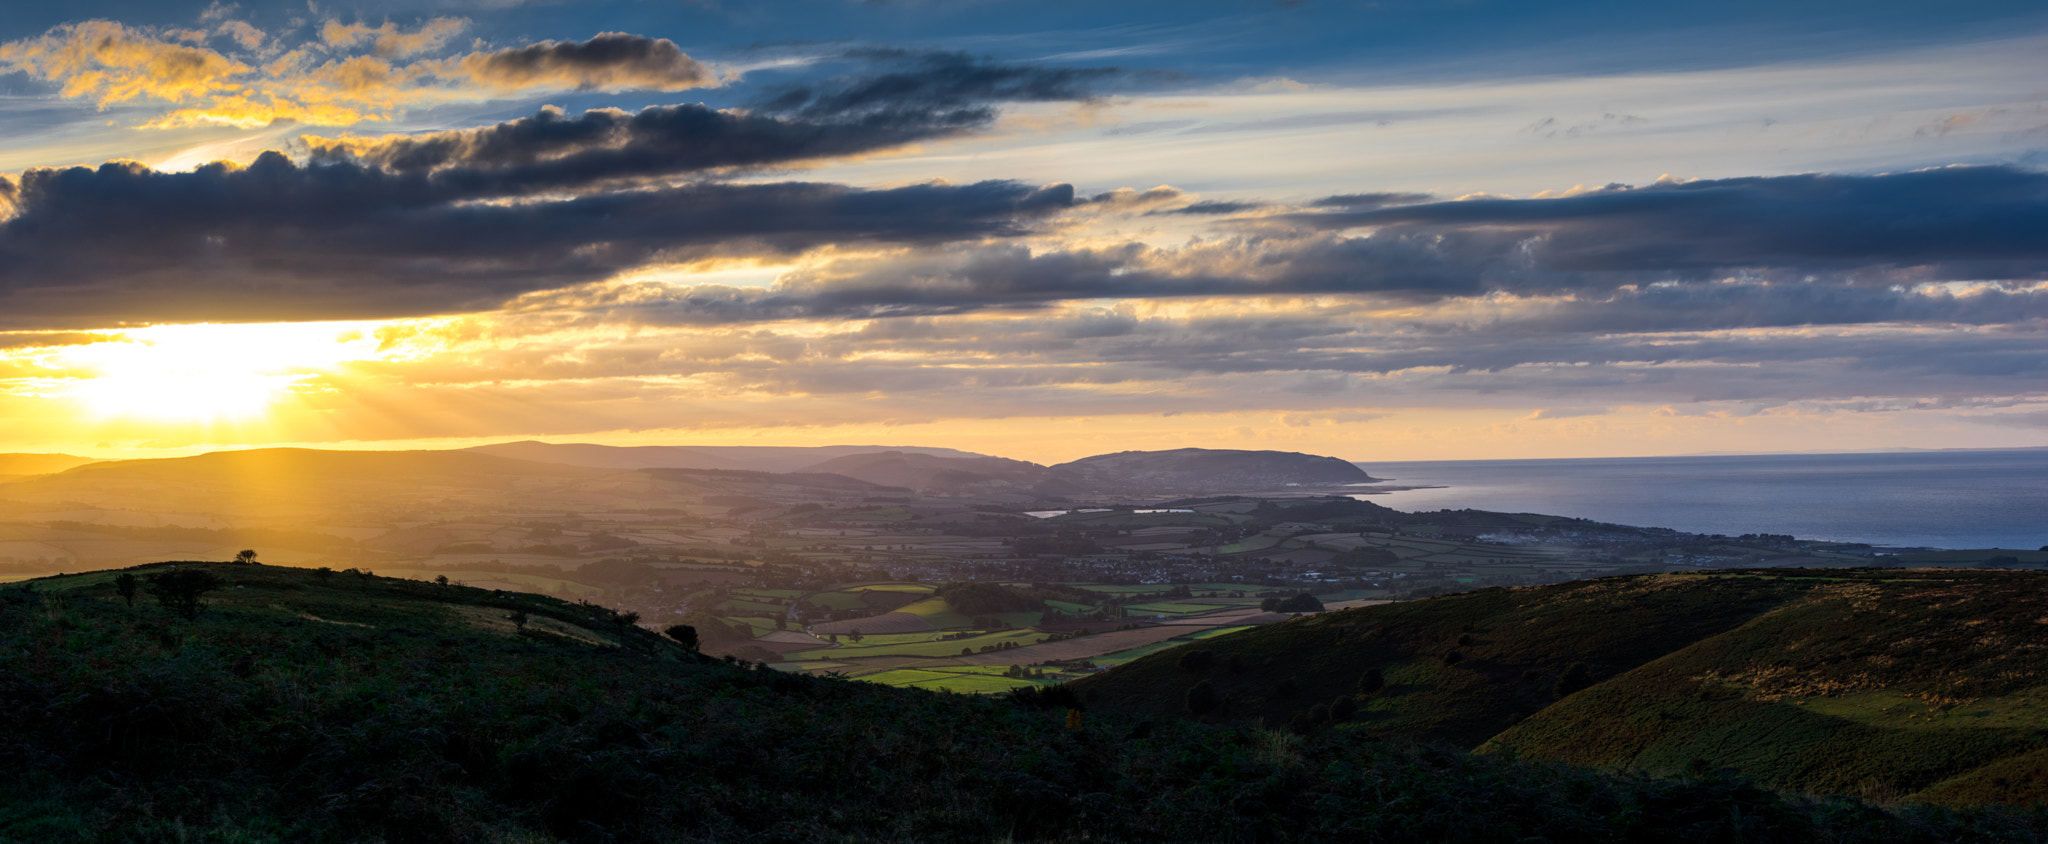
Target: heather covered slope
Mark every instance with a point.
(299, 706)
(1921, 684)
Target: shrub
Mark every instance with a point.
(1453, 658)
(1576, 676)
(125, 584)
(179, 590)
(1371, 682)
(1196, 660)
(1343, 708)
(1201, 698)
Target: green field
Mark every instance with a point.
(931, 647)
(1172, 608)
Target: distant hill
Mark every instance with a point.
(282, 481)
(1919, 683)
(39, 464)
(298, 705)
(1207, 470)
(751, 458)
(949, 475)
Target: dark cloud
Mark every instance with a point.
(450, 220)
(1360, 201)
(1212, 207)
(928, 96)
(282, 241)
(612, 60)
(549, 151)
(1956, 222)
(942, 88)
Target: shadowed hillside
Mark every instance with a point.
(1207, 470)
(39, 464)
(299, 705)
(950, 475)
(297, 482)
(1925, 684)
(747, 457)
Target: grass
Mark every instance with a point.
(429, 718)
(1166, 608)
(942, 615)
(930, 646)
(1873, 682)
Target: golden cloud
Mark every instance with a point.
(331, 82)
(111, 63)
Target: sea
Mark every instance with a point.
(1920, 499)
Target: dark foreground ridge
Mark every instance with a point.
(298, 705)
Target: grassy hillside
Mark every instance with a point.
(301, 706)
(1925, 685)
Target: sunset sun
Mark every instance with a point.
(191, 373)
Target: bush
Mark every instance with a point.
(179, 590)
(1201, 698)
(1371, 682)
(1576, 676)
(1197, 660)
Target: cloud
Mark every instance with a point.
(1360, 201)
(1208, 207)
(550, 151)
(939, 96)
(331, 82)
(611, 61)
(935, 87)
(391, 41)
(1564, 412)
(110, 63)
(1944, 223)
(277, 240)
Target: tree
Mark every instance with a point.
(245, 556)
(441, 579)
(125, 584)
(518, 619)
(855, 635)
(684, 634)
(179, 590)
(1201, 698)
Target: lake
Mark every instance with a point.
(1938, 499)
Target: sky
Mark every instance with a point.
(1467, 229)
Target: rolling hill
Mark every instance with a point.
(39, 464)
(1207, 470)
(750, 458)
(1921, 684)
(282, 483)
(301, 705)
(949, 475)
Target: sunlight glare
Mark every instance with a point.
(210, 372)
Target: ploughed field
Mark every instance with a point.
(294, 705)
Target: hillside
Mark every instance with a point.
(1207, 470)
(747, 457)
(949, 475)
(300, 705)
(297, 482)
(1924, 684)
(39, 464)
